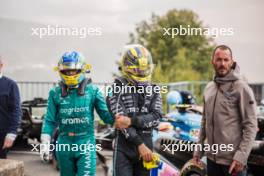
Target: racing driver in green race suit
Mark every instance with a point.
(71, 107)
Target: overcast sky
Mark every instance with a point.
(29, 58)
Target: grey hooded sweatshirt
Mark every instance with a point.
(229, 118)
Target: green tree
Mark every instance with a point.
(182, 58)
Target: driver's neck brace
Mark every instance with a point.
(72, 87)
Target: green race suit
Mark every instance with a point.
(74, 115)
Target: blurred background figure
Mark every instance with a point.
(10, 112)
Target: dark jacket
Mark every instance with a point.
(145, 110)
(10, 110)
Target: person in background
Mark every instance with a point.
(10, 112)
(229, 117)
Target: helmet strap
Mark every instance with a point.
(81, 88)
(64, 91)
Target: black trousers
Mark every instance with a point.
(3, 152)
(126, 166)
(214, 169)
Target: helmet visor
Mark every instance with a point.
(70, 66)
(70, 72)
(139, 72)
(143, 68)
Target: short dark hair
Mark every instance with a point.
(223, 47)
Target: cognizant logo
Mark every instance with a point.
(75, 109)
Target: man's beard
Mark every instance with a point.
(220, 74)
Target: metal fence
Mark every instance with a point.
(197, 87)
(258, 90)
(31, 90)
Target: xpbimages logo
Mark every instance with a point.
(188, 30)
(82, 148)
(191, 147)
(124, 89)
(80, 32)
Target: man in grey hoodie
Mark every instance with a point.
(229, 118)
